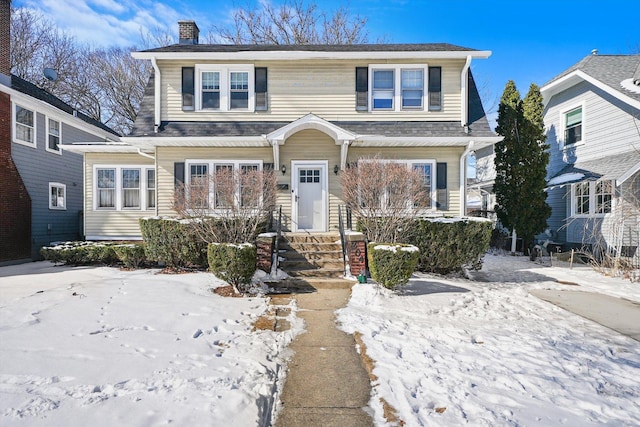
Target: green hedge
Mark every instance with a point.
(392, 264)
(172, 243)
(235, 264)
(90, 253)
(449, 245)
(132, 255)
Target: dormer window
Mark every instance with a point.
(397, 87)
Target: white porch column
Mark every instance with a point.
(344, 150)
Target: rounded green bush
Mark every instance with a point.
(392, 264)
(233, 263)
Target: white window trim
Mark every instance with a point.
(592, 201)
(410, 163)
(397, 86)
(210, 168)
(225, 71)
(119, 190)
(14, 128)
(46, 146)
(64, 188)
(562, 127)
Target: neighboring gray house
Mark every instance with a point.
(40, 123)
(592, 120)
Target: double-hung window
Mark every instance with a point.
(199, 185)
(53, 135)
(124, 187)
(225, 87)
(210, 90)
(573, 126)
(25, 126)
(412, 89)
(57, 196)
(383, 89)
(426, 172)
(592, 198)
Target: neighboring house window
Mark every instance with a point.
(131, 188)
(573, 126)
(592, 198)
(57, 196)
(53, 135)
(397, 87)
(435, 88)
(210, 90)
(412, 89)
(208, 183)
(123, 187)
(151, 188)
(25, 127)
(383, 92)
(228, 87)
(106, 188)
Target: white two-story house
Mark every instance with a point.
(592, 120)
(305, 111)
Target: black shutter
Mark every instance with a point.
(362, 88)
(435, 88)
(178, 174)
(188, 88)
(442, 194)
(261, 88)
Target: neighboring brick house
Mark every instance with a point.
(592, 120)
(307, 111)
(40, 186)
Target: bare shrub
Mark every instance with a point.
(227, 206)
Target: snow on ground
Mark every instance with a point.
(90, 346)
(489, 354)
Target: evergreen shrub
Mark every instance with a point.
(173, 243)
(233, 263)
(131, 255)
(392, 264)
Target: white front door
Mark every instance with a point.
(309, 195)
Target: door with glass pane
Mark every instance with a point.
(309, 196)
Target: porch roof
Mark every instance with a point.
(618, 167)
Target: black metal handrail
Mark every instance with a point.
(276, 246)
(343, 240)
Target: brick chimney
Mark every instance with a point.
(188, 32)
(5, 37)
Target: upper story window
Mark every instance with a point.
(222, 88)
(572, 121)
(57, 196)
(25, 126)
(123, 187)
(592, 198)
(394, 88)
(53, 135)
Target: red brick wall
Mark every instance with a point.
(5, 36)
(356, 252)
(15, 204)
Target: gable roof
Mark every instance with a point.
(618, 167)
(23, 86)
(613, 73)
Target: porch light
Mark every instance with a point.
(336, 169)
(283, 169)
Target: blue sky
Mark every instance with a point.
(531, 41)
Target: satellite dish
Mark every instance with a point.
(50, 74)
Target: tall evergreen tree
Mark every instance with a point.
(521, 162)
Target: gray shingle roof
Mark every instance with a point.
(608, 69)
(226, 48)
(609, 167)
(479, 126)
(34, 91)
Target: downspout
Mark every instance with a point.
(149, 156)
(464, 93)
(156, 95)
(463, 179)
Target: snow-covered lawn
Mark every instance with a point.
(451, 352)
(104, 347)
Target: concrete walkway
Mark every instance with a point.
(619, 314)
(327, 384)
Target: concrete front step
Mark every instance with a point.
(294, 285)
(311, 247)
(292, 255)
(303, 263)
(328, 273)
(312, 238)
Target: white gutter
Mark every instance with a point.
(156, 95)
(149, 156)
(464, 92)
(463, 179)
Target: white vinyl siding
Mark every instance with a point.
(324, 87)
